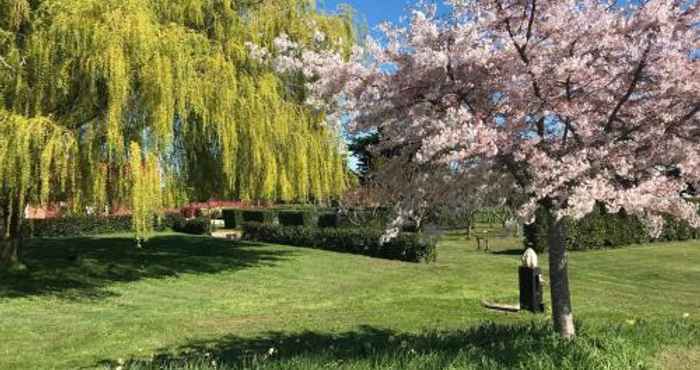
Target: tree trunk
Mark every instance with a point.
(562, 314)
(9, 254)
(470, 224)
(11, 217)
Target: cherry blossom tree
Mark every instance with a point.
(580, 101)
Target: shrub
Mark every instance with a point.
(261, 216)
(233, 218)
(198, 226)
(172, 221)
(191, 211)
(410, 247)
(79, 226)
(73, 226)
(600, 229)
(297, 218)
(328, 220)
(376, 218)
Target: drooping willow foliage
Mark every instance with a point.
(146, 198)
(37, 158)
(139, 102)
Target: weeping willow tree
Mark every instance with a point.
(140, 102)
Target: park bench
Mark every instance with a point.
(483, 234)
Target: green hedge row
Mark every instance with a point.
(297, 218)
(74, 226)
(599, 230)
(411, 247)
(235, 218)
(78, 226)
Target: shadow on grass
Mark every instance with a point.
(493, 346)
(82, 268)
(510, 252)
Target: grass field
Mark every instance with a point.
(185, 301)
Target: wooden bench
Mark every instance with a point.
(483, 235)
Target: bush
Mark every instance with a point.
(233, 218)
(79, 226)
(409, 247)
(600, 229)
(297, 218)
(197, 226)
(376, 218)
(328, 220)
(261, 216)
(73, 226)
(172, 221)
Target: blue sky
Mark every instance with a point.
(374, 11)
(378, 11)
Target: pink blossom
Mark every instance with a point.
(579, 101)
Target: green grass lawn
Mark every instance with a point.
(185, 301)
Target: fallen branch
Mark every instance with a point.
(501, 307)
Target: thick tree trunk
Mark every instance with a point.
(562, 314)
(9, 253)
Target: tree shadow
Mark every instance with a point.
(510, 252)
(366, 344)
(490, 345)
(83, 268)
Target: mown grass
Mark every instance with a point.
(184, 301)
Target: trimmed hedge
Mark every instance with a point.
(328, 220)
(78, 226)
(74, 226)
(599, 230)
(233, 218)
(297, 218)
(409, 247)
(261, 216)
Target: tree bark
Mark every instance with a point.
(11, 216)
(469, 228)
(9, 253)
(562, 314)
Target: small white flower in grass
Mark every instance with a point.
(120, 361)
(631, 322)
(271, 351)
(412, 351)
(686, 315)
(119, 368)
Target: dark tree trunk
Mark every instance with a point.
(11, 216)
(9, 253)
(469, 228)
(562, 313)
